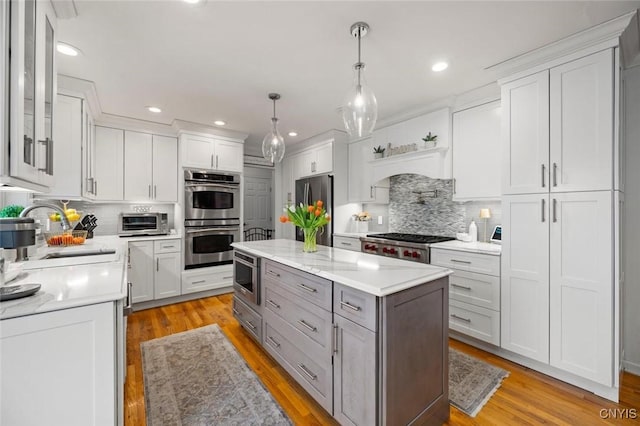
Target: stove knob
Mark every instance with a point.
(374, 248)
(385, 250)
(416, 254)
(367, 246)
(406, 253)
(392, 251)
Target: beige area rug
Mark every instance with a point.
(198, 378)
(472, 382)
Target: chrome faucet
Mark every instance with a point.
(63, 216)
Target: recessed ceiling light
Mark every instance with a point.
(439, 66)
(154, 109)
(67, 49)
(219, 123)
(293, 133)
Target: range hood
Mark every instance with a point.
(434, 163)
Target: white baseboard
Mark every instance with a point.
(631, 367)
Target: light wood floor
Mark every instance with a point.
(526, 397)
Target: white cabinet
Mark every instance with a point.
(581, 124)
(314, 161)
(525, 133)
(476, 142)
(211, 154)
(66, 361)
(346, 243)
(581, 291)
(155, 268)
(150, 167)
(32, 83)
(108, 183)
(214, 278)
(525, 275)
(67, 154)
(361, 187)
(558, 128)
(141, 270)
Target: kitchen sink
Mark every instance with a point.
(79, 253)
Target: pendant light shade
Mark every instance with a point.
(360, 108)
(273, 142)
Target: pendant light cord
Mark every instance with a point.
(359, 61)
(274, 108)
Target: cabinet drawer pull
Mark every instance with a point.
(460, 286)
(306, 287)
(542, 167)
(238, 313)
(275, 274)
(198, 282)
(555, 174)
(306, 372)
(335, 338)
(166, 247)
(460, 318)
(466, 262)
(251, 326)
(307, 326)
(273, 341)
(345, 243)
(157, 264)
(274, 304)
(350, 306)
(228, 277)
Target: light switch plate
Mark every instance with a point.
(379, 220)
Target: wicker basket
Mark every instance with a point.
(66, 238)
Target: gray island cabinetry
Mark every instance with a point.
(365, 336)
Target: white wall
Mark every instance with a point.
(631, 226)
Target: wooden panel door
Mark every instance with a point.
(525, 135)
(525, 276)
(109, 164)
(137, 166)
(59, 358)
(165, 169)
(581, 126)
(354, 374)
(167, 275)
(581, 289)
(141, 270)
(476, 144)
(229, 156)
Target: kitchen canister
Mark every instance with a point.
(473, 231)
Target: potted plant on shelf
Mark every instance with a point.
(378, 152)
(430, 141)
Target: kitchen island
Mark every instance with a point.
(62, 349)
(364, 335)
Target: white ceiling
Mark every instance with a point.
(218, 60)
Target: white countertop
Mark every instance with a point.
(71, 282)
(377, 275)
(475, 247)
(350, 234)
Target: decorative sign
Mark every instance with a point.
(402, 149)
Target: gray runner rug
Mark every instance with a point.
(472, 382)
(198, 378)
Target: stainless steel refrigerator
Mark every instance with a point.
(308, 191)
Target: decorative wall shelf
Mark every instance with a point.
(428, 162)
(411, 155)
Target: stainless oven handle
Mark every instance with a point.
(212, 185)
(198, 231)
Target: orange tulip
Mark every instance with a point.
(310, 208)
(284, 219)
(318, 212)
(319, 204)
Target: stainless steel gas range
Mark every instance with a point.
(413, 247)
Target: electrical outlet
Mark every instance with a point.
(379, 220)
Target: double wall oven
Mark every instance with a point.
(212, 217)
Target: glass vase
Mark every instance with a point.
(310, 245)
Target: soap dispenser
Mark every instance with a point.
(473, 231)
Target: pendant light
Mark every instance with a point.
(273, 143)
(360, 108)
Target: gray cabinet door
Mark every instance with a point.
(354, 374)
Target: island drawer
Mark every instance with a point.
(476, 289)
(313, 289)
(314, 373)
(346, 243)
(465, 261)
(166, 246)
(308, 318)
(356, 305)
(248, 318)
(474, 321)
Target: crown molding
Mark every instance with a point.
(184, 126)
(599, 37)
(134, 124)
(85, 89)
(65, 9)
